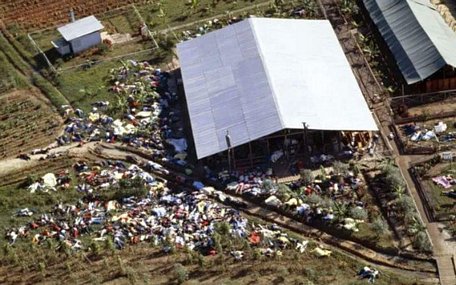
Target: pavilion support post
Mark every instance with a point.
(338, 142)
(285, 147)
(268, 149)
(234, 159)
(322, 133)
(306, 146)
(229, 160)
(250, 154)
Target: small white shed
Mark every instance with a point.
(79, 36)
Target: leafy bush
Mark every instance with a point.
(341, 168)
(379, 226)
(307, 176)
(314, 199)
(180, 273)
(421, 242)
(125, 189)
(284, 192)
(393, 178)
(358, 213)
(404, 204)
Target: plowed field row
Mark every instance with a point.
(32, 15)
(25, 123)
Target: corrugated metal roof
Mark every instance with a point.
(80, 28)
(417, 35)
(260, 76)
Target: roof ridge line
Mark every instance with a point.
(263, 62)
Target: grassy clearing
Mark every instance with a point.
(161, 14)
(9, 77)
(82, 87)
(121, 21)
(442, 204)
(14, 194)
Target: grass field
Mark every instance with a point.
(442, 204)
(82, 87)
(9, 77)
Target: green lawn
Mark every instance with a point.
(9, 77)
(82, 87)
(121, 21)
(174, 13)
(44, 38)
(441, 203)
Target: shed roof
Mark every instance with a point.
(80, 28)
(260, 76)
(417, 35)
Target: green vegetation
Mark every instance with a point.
(37, 79)
(442, 204)
(121, 21)
(161, 14)
(404, 208)
(49, 90)
(9, 77)
(16, 196)
(86, 85)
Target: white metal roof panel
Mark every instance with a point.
(80, 28)
(260, 76)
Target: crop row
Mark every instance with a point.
(31, 14)
(25, 123)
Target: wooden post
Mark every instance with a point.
(250, 154)
(322, 138)
(234, 159)
(338, 141)
(285, 146)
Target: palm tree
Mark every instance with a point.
(399, 191)
(194, 4)
(340, 210)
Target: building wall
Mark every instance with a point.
(82, 43)
(63, 50)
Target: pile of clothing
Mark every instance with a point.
(50, 181)
(147, 114)
(164, 216)
(444, 181)
(338, 192)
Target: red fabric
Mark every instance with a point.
(254, 238)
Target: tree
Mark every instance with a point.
(399, 191)
(393, 177)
